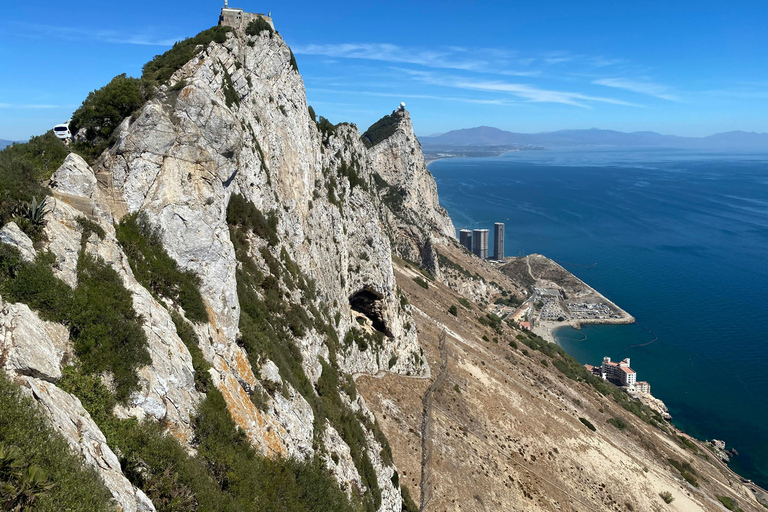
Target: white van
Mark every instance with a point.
(62, 131)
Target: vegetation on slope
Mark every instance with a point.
(574, 370)
(156, 270)
(226, 475)
(23, 168)
(103, 325)
(103, 111)
(268, 325)
(105, 108)
(37, 468)
(381, 130)
(160, 68)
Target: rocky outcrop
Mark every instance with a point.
(75, 177)
(11, 234)
(31, 346)
(71, 420)
(234, 120)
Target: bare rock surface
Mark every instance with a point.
(70, 419)
(75, 177)
(11, 234)
(31, 346)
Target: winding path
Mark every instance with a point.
(426, 448)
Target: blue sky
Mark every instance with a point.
(672, 66)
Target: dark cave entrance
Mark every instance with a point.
(370, 303)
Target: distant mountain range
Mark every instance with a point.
(4, 143)
(487, 135)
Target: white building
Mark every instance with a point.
(643, 387)
(620, 372)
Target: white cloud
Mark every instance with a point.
(398, 95)
(640, 87)
(104, 36)
(528, 92)
(393, 53)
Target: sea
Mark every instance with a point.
(678, 239)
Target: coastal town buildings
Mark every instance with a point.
(465, 239)
(480, 243)
(498, 241)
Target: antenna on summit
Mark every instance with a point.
(402, 107)
(225, 4)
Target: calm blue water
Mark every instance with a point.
(679, 239)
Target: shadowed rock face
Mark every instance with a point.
(369, 303)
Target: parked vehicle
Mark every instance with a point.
(62, 131)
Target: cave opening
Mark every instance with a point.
(370, 303)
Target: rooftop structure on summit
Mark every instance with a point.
(237, 18)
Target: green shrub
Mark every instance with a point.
(156, 270)
(192, 342)
(242, 213)
(729, 503)
(23, 426)
(408, 504)
(106, 330)
(391, 197)
(103, 111)
(452, 310)
(618, 423)
(686, 471)
(160, 69)
(351, 172)
(230, 94)
(103, 325)
(23, 168)
(419, 281)
(34, 284)
(259, 25)
(544, 363)
(587, 424)
(667, 497)
(88, 227)
(464, 302)
(381, 130)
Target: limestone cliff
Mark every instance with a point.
(234, 121)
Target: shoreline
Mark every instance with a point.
(547, 329)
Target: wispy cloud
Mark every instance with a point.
(393, 53)
(527, 92)
(103, 35)
(398, 95)
(638, 86)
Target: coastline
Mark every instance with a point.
(547, 329)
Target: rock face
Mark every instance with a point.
(234, 120)
(11, 234)
(31, 346)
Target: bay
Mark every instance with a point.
(679, 239)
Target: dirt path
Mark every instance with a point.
(530, 271)
(426, 448)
